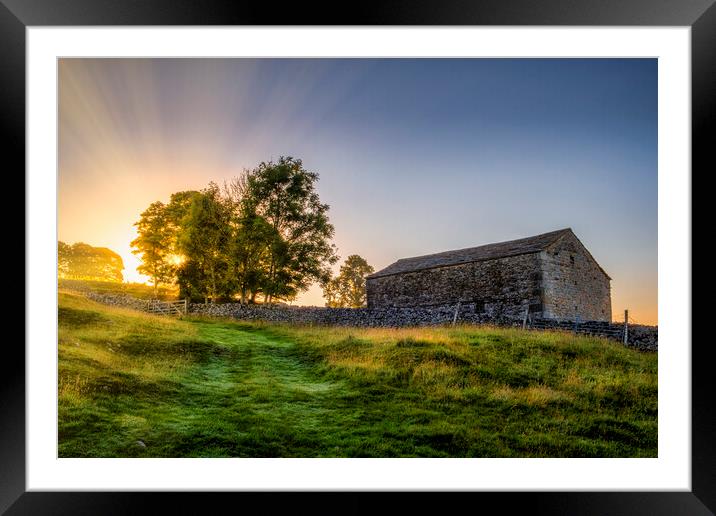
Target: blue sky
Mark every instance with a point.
(414, 155)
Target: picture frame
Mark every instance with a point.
(17, 15)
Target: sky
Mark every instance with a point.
(414, 156)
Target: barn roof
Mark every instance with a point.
(533, 244)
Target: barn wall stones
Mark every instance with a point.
(574, 285)
(502, 287)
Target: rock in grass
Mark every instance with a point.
(141, 444)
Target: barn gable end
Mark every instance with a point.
(574, 283)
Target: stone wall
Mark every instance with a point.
(123, 300)
(362, 317)
(574, 285)
(645, 338)
(641, 337)
(501, 287)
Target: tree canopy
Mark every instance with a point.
(203, 241)
(347, 290)
(82, 261)
(154, 245)
(300, 249)
(265, 233)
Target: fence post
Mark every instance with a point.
(457, 309)
(626, 327)
(186, 306)
(524, 320)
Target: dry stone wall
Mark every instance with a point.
(365, 317)
(641, 337)
(123, 300)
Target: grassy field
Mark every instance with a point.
(138, 290)
(136, 385)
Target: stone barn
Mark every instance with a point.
(552, 275)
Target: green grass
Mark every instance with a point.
(138, 290)
(213, 388)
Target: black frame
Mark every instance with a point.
(16, 15)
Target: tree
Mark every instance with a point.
(203, 240)
(177, 210)
(159, 229)
(82, 261)
(250, 237)
(265, 233)
(250, 255)
(155, 244)
(347, 290)
(299, 248)
(64, 256)
(331, 294)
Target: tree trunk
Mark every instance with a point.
(213, 286)
(154, 278)
(272, 270)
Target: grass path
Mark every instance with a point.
(277, 401)
(250, 396)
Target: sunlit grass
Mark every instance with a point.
(138, 290)
(206, 387)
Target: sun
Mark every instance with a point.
(176, 259)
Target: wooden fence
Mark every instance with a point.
(154, 306)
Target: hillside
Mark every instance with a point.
(136, 385)
(138, 290)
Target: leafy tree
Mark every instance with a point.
(250, 237)
(250, 255)
(155, 244)
(177, 210)
(299, 248)
(203, 241)
(64, 256)
(331, 294)
(347, 290)
(82, 261)
(191, 280)
(265, 233)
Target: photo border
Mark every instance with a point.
(702, 20)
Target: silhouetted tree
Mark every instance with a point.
(299, 248)
(203, 240)
(265, 232)
(250, 255)
(347, 290)
(155, 245)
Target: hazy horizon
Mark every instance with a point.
(415, 156)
